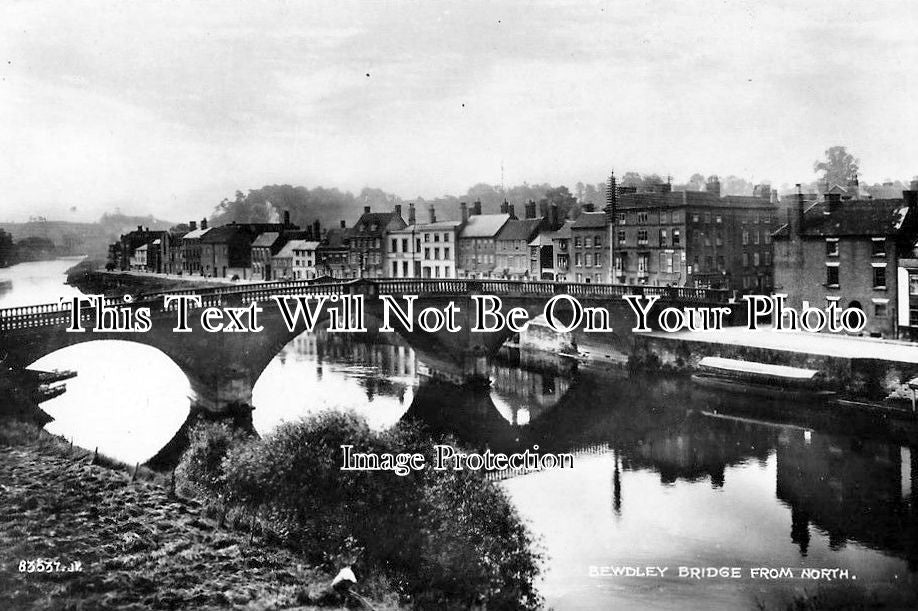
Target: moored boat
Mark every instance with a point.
(762, 379)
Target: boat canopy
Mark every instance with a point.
(717, 363)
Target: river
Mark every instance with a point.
(665, 475)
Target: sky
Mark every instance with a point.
(167, 107)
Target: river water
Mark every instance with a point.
(665, 475)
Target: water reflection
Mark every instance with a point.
(665, 474)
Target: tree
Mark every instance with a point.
(839, 168)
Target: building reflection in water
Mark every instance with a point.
(851, 489)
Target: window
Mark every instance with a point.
(446, 253)
(395, 268)
(642, 237)
(745, 259)
(695, 218)
(426, 253)
(879, 309)
(642, 218)
(720, 263)
(767, 237)
(677, 240)
(719, 239)
(577, 242)
(598, 258)
(436, 237)
(707, 217)
(621, 237)
(832, 248)
(394, 245)
(718, 219)
(767, 258)
(832, 275)
(618, 263)
(642, 263)
(404, 244)
(621, 218)
(913, 284)
(597, 241)
(589, 259)
(879, 247)
(755, 237)
(427, 237)
(879, 277)
(755, 259)
(578, 259)
(662, 237)
(745, 237)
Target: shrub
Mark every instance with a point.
(201, 468)
(441, 538)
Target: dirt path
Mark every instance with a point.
(138, 546)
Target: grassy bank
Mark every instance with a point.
(139, 545)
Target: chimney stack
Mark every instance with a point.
(477, 207)
(433, 214)
(316, 229)
(713, 185)
(193, 225)
(464, 212)
(286, 218)
(588, 207)
(553, 216)
(511, 210)
(204, 223)
(505, 207)
(398, 210)
(139, 227)
(800, 209)
(366, 210)
(343, 224)
(530, 209)
(411, 217)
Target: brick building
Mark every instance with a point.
(589, 248)
(477, 245)
(694, 238)
(368, 239)
(856, 253)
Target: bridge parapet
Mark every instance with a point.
(54, 314)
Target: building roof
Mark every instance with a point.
(590, 220)
(674, 199)
(373, 224)
(224, 233)
(287, 251)
(266, 240)
(876, 217)
(334, 238)
(543, 239)
(520, 229)
(484, 225)
(196, 234)
(563, 232)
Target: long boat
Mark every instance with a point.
(761, 379)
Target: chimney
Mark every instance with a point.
(411, 218)
(316, 229)
(511, 210)
(366, 210)
(147, 229)
(530, 209)
(433, 214)
(800, 209)
(464, 212)
(343, 224)
(911, 197)
(286, 218)
(588, 207)
(477, 207)
(398, 210)
(204, 223)
(193, 225)
(553, 215)
(505, 207)
(833, 200)
(713, 185)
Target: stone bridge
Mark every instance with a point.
(222, 368)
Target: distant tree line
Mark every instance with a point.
(26, 249)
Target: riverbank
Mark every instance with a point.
(137, 544)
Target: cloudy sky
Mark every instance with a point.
(167, 107)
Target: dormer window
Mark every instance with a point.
(831, 247)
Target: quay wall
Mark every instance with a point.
(865, 378)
